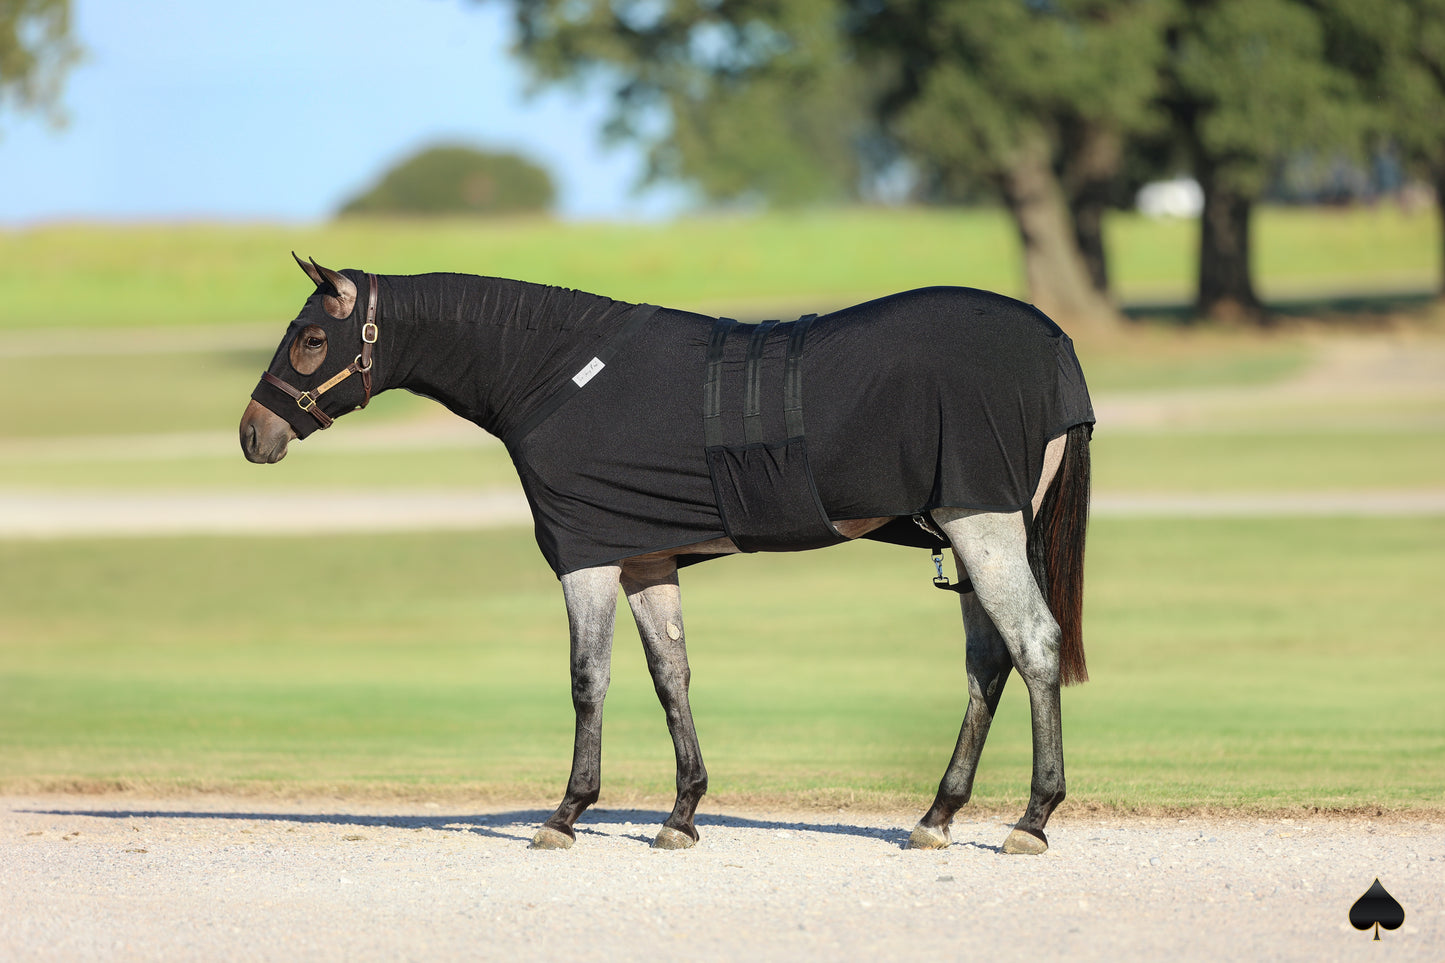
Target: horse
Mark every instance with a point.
(648, 439)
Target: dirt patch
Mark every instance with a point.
(222, 877)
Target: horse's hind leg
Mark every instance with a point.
(992, 547)
(988, 666)
(591, 596)
(656, 600)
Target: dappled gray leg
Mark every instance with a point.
(656, 601)
(992, 549)
(591, 596)
(988, 666)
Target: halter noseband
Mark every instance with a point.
(309, 401)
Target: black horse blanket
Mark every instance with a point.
(679, 428)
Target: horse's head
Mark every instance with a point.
(322, 368)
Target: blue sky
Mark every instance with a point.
(280, 110)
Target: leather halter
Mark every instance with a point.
(309, 401)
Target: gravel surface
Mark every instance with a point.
(218, 878)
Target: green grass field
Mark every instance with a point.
(130, 276)
(1273, 663)
(1264, 664)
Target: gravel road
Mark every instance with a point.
(218, 878)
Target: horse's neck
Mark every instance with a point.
(476, 344)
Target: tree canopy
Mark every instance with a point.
(1247, 82)
(456, 179)
(36, 53)
(745, 101)
(1052, 107)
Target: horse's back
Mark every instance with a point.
(929, 398)
(936, 397)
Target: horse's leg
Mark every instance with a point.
(993, 550)
(988, 663)
(591, 596)
(656, 601)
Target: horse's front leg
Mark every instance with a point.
(652, 591)
(591, 596)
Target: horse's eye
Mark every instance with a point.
(314, 343)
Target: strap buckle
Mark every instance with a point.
(940, 580)
(306, 400)
(369, 332)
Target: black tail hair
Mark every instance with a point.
(1056, 551)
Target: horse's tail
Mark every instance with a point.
(1056, 551)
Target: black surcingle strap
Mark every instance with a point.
(712, 382)
(712, 388)
(793, 377)
(753, 384)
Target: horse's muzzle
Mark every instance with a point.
(264, 435)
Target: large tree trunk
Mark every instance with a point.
(1088, 215)
(1226, 284)
(1093, 156)
(1058, 279)
(1440, 212)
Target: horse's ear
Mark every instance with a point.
(338, 291)
(311, 271)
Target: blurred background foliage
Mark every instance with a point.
(453, 179)
(1056, 109)
(36, 51)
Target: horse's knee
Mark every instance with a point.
(670, 680)
(590, 680)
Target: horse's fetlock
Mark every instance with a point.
(1050, 791)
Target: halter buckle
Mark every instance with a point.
(306, 400)
(369, 336)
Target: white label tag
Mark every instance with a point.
(588, 372)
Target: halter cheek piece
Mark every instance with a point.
(309, 401)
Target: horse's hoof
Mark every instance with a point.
(669, 838)
(549, 838)
(925, 837)
(1022, 842)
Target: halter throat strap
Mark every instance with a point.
(309, 401)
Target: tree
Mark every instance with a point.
(1247, 82)
(1035, 99)
(1405, 70)
(747, 101)
(36, 52)
(794, 99)
(457, 180)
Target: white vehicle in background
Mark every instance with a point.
(1179, 197)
